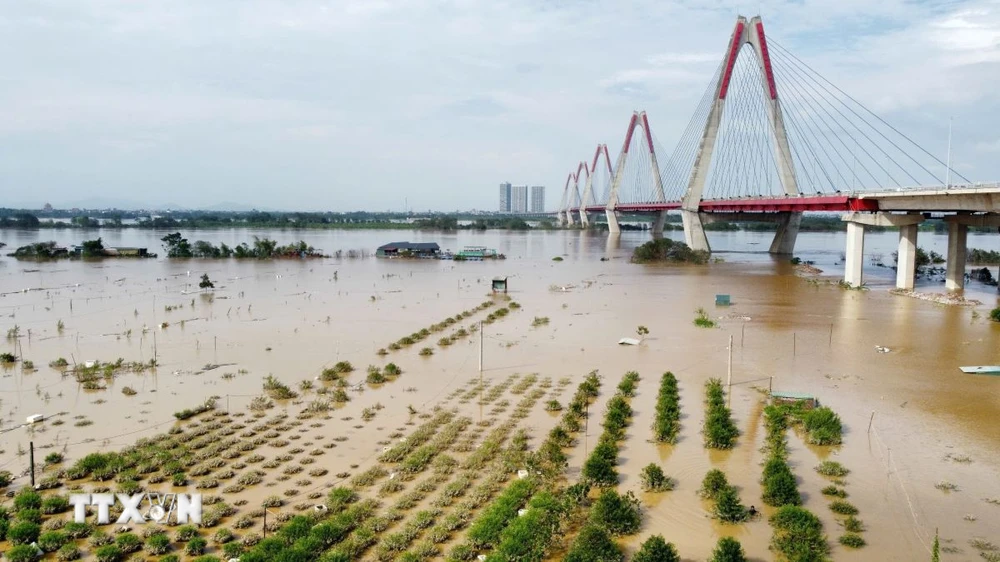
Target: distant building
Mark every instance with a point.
(538, 199)
(505, 197)
(519, 199)
(47, 207)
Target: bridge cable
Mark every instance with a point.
(873, 114)
(795, 77)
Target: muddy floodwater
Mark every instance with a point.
(912, 419)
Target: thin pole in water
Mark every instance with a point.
(793, 344)
(481, 337)
(831, 335)
(31, 453)
(743, 333)
(870, 420)
(729, 368)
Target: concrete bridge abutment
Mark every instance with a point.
(854, 255)
(613, 226)
(788, 231)
(694, 230)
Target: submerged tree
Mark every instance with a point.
(206, 283)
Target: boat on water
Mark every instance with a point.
(982, 370)
(475, 253)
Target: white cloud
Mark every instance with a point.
(320, 96)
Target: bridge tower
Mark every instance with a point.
(639, 119)
(745, 33)
(588, 191)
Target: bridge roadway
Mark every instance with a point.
(904, 208)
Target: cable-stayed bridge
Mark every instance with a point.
(772, 139)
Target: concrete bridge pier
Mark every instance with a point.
(584, 218)
(569, 218)
(788, 231)
(694, 231)
(613, 226)
(661, 219)
(855, 254)
(958, 230)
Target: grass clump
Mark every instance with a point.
(832, 469)
(702, 320)
(852, 540)
(842, 507)
(834, 491)
(277, 389)
(666, 425)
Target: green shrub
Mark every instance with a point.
(485, 531)
(619, 514)
(599, 467)
(833, 469)
(594, 544)
(655, 549)
(852, 540)
(76, 530)
(798, 534)
(22, 553)
(186, 532)
(157, 544)
(995, 314)
(728, 507)
(719, 431)
(654, 480)
(779, 484)
(196, 546)
(728, 549)
(52, 541)
(664, 249)
(27, 499)
(68, 552)
(823, 426)
(23, 532)
(713, 484)
(666, 425)
(528, 536)
(108, 553)
(30, 515)
(128, 542)
(54, 504)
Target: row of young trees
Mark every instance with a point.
(719, 431)
(667, 424)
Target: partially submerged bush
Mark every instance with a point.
(654, 480)
(666, 250)
(713, 484)
(798, 534)
(656, 549)
(728, 549)
(594, 544)
(619, 514)
(833, 469)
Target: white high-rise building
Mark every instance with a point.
(538, 199)
(505, 197)
(519, 199)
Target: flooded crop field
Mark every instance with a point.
(350, 390)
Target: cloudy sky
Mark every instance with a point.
(373, 104)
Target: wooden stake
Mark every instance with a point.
(743, 333)
(870, 420)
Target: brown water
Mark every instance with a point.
(292, 318)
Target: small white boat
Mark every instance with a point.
(982, 369)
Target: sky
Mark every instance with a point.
(429, 104)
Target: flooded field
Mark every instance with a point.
(912, 420)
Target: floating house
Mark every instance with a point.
(478, 253)
(408, 250)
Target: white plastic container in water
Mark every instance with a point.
(35, 418)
